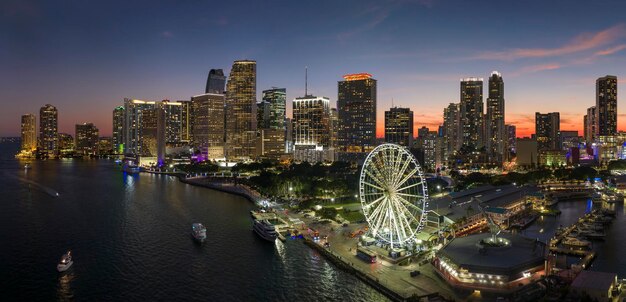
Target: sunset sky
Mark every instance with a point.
(85, 58)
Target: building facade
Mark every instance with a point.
(139, 127)
(547, 129)
(241, 111)
(86, 139)
(495, 129)
(472, 115)
(29, 133)
(311, 128)
(117, 138)
(356, 110)
(589, 123)
(49, 131)
(606, 106)
(215, 82)
(451, 130)
(399, 126)
(208, 127)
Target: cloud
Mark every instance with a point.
(610, 51)
(582, 42)
(536, 68)
(167, 34)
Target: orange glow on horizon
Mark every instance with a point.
(357, 76)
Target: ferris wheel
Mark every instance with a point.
(393, 194)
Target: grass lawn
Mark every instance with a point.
(352, 216)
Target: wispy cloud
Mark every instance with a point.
(583, 42)
(536, 68)
(610, 51)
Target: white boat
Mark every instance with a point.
(198, 231)
(66, 262)
(575, 242)
(265, 229)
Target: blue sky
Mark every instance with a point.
(85, 56)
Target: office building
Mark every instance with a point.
(399, 126)
(451, 130)
(547, 129)
(511, 131)
(311, 129)
(49, 131)
(589, 123)
(527, 152)
(117, 138)
(66, 144)
(356, 110)
(471, 110)
(186, 121)
(86, 139)
(606, 106)
(208, 127)
(215, 82)
(272, 109)
(29, 133)
(241, 111)
(140, 127)
(495, 129)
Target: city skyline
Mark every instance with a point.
(549, 64)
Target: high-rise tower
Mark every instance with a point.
(29, 133)
(399, 126)
(472, 126)
(215, 82)
(117, 138)
(49, 130)
(606, 106)
(495, 128)
(356, 110)
(241, 110)
(547, 128)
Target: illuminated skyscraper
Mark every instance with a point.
(511, 131)
(29, 133)
(356, 109)
(451, 130)
(399, 126)
(186, 121)
(241, 111)
(208, 126)
(495, 128)
(311, 129)
(139, 133)
(172, 120)
(547, 128)
(117, 139)
(215, 82)
(589, 122)
(272, 109)
(606, 106)
(472, 113)
(86, 139)
(49, 131)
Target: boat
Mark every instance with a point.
(27, 166)
(198, 231)
(128, 168)
(66, 262)
(265, 230)
(591, 234)
(575, 242)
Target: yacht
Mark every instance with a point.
(575, 242)
(198, 231)
(265, 229)
(66, 262)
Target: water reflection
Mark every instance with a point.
(64, 288)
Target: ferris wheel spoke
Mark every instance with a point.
(374, 215)
(408, 203)
(396, 166)
(406, 165)
(407, 177)
(367, 206)
(375, 167)
(376, 179)
(380, 218)
(409, 186)
(399, 225)
(373, 186)
(402, 211)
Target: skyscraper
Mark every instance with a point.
(311, 128)
(139, 127)
(356, 109)
(86, 139)
(547, 128)
(495, 129)
(117, 139)
(451, 130)
(186, 121)
(399, 126)
(589, 123)
(606, 106)
(273, 109)
(472, 126)
(49, 131)
(215, 82)
(173, 116)
(241, 110)
(208, 126)
(29, 133)
(512, 138)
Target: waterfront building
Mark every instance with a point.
(311, 129)
(29, 134)
(241, 111)
(589, 123)
(105, 145)
(569, 139)
(511, 139)
(86, 139)
(471, 113)
(49, 131)
(139, 133)
(496, 137)
(356, 111)
(186, 121)
(66, 144)
(547, 128)
(208, 126)
(399, 126)
(597, 286)
(215, 82)
(451, 130)
(526, 152)
(552, 158)
(606, 106)
(117, 139)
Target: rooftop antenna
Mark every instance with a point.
(306, 80)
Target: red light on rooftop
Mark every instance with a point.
(357, 76)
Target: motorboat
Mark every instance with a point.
(265, 229)
(575, 242)
(198, 231)
(66, 262)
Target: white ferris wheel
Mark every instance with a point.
(393, 194)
